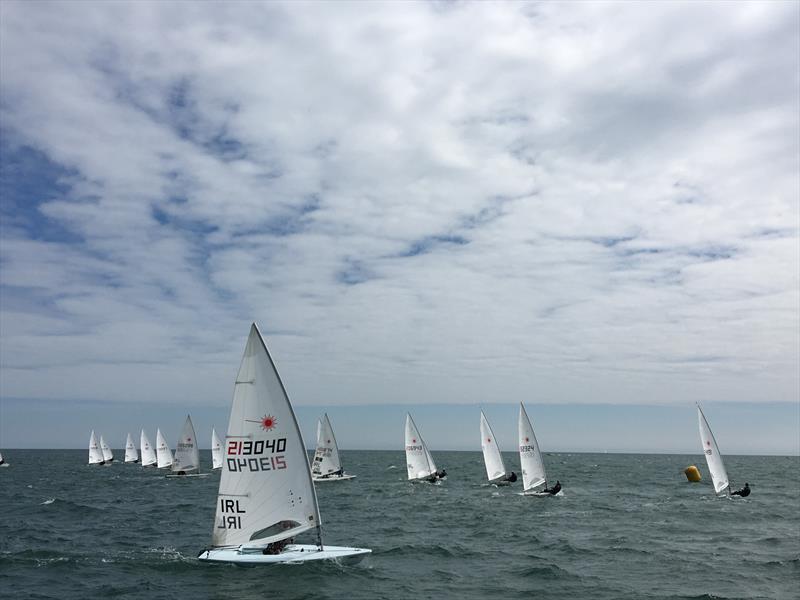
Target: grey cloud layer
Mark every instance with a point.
(471, 202)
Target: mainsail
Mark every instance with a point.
(95, 453)
(216, 450)
(131, 455)
(162, 451)
(495, 468)
(530, 457)
(148, 452)
(265, 491)
(108, 456)
(187, 455)
(713, 457)
(418, 460)
(326, 456)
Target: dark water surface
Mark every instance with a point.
(626, 526)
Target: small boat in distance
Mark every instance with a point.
(216, 451)
(148, 452)
(418, 459)
(495, 467)
(95, 453)
(534, 479)
(327, 465)
(163, 452)
(131, 455)
(3, 463)
(108, 456)
(266, 495)
(187, 455)
(714, 459)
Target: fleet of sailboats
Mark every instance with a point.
(266, 494)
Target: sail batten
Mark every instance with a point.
(530, 457)
(713, 457)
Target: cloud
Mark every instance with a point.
(418, 202)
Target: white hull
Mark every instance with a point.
(500, 482)
(336, 478)
(294, 553)
(177, 476)
(5, 465)
(539, 494)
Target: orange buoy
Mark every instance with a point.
(692, 473)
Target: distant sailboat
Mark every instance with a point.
(418, 459)
(163, 452)
(95, 453)
(534, 479)
(495, 467)
(216, 451)
(266, 496)
(714, 459)
(108, 456)
(327, 466)
(3, 463)
(131, 455)
(148, 452)
(187, 455)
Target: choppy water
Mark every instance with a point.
(626, 526)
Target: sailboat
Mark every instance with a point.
(714, 459)
(327, 466)
(266, 495)
(95, 453)
(495, 467)
(187, 455)
(3, 463)
(216, 451)
(148, 452)
(131, 455)
(163, 452)
(418, 459)
(108, 455)
(534, 479)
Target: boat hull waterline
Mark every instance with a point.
(294, 553)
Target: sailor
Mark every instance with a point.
(511, 478)
(744, 492)
(441, 474)
(555, 489)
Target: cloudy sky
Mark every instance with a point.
(431, 203)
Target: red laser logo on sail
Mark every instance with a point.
(268, 422)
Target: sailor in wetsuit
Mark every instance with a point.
(441, 474)
(744, 492)
(555, 489)
(511, 478)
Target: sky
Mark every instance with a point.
(589, 207)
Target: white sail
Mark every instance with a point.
(530, 457)
(265, 489)
(2, 462)
(131, 455)
(187, 455)
(108, 456)
(148, 452)
(495, 468)
(418, 459)
(163, 452)
(326, 456)
(95, 453)
(713, 457)
(216, 450)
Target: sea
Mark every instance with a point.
(624, 526)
